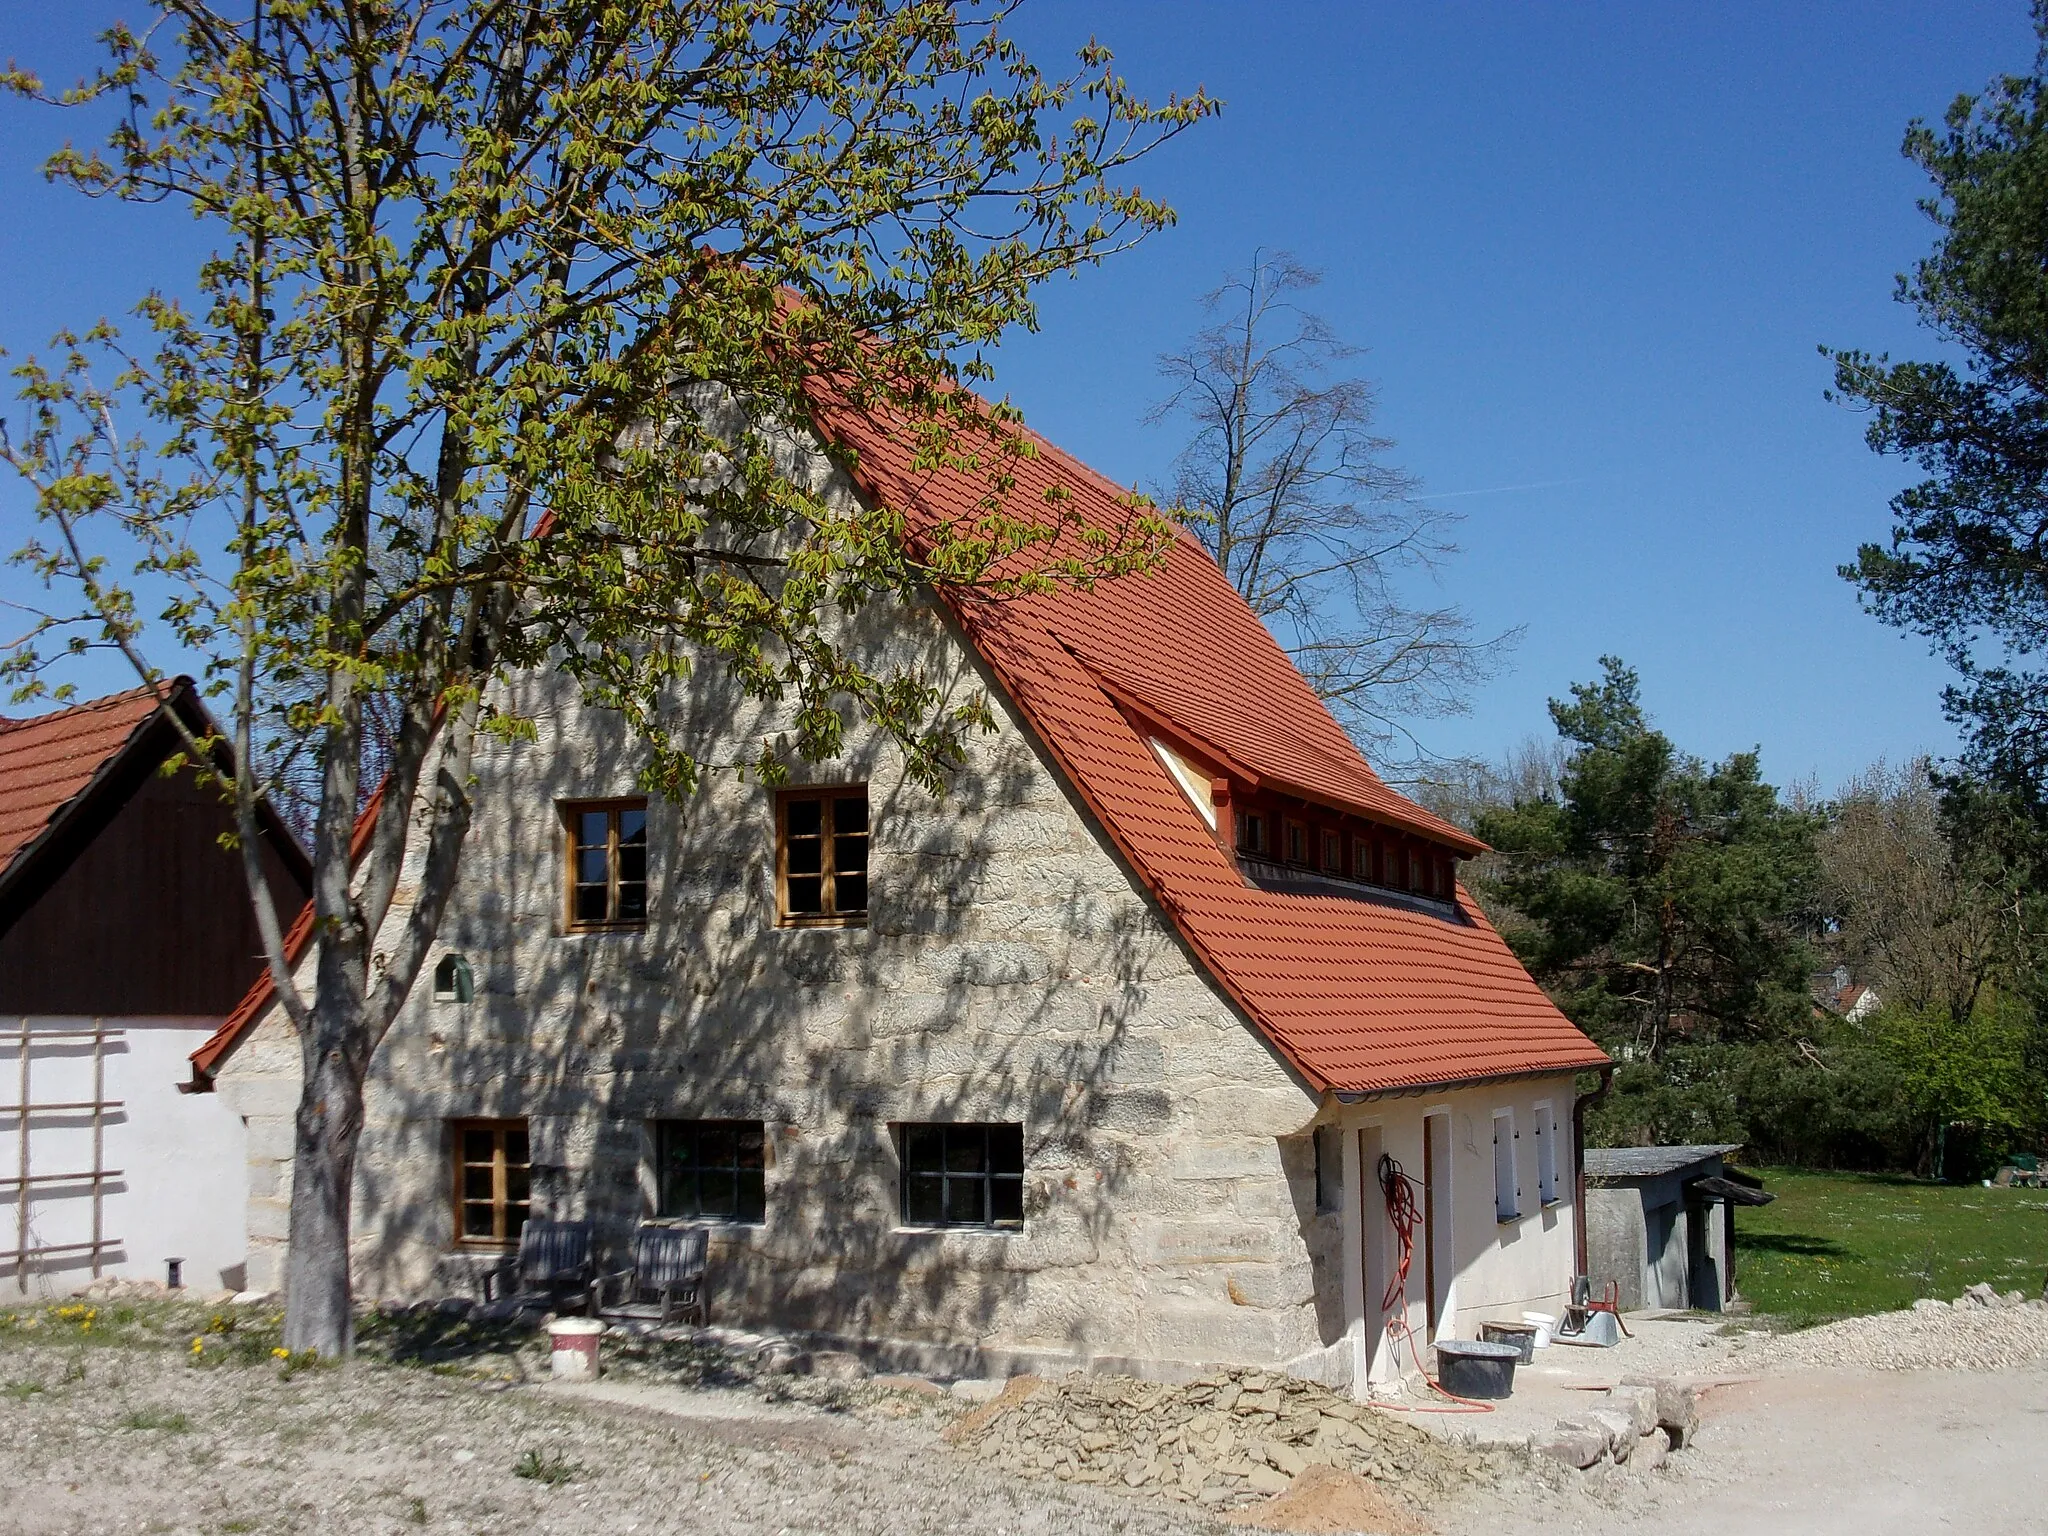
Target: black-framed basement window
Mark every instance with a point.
(711, 1170)
(963, 1176)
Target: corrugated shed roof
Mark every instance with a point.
(1651, 1162)
(48, 762)
(1360, 996)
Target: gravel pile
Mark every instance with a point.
(1978, 1331)
(1225, 1441)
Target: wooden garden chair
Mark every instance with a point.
(666, 1280)
(555, 1265)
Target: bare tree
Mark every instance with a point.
(1909, 917)
(1288, 487)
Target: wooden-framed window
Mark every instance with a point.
(1251, 833)
(1362, 863)
(1333, 852)
(821, 855)
(493, 1182)
(711, 1170)
(963, 1175)
(1297, 843)
(607, 863)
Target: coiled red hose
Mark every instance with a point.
(1400, 1190)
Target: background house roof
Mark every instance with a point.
(48, 763)
(1358, 995)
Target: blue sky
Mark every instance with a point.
(1591, 248)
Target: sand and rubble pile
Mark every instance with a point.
(1225, 1441)
(1978, 1331)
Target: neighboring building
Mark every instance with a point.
(126, 936)
(1836, 993)
(1091, 1061)
(1660, 1224)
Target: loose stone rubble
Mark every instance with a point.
(1640, 1421)
(1981, 1330)
(1225, 1441)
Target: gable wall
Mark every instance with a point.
(151, 917)
(1011, 971)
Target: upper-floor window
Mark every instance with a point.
(607, 863)
(821, 855)
(1297, 843)
(1251, 833)
(1333, 853)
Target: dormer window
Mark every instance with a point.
(1251, 833)
(1333, 853)
(1297, 843)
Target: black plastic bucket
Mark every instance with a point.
(1521, 1335)
(1476, 1368)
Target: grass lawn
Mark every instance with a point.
(1836, 1244)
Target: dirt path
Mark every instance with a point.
(1827, 1453)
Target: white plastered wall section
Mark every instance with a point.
(180, 1156)
(1011, 971)
(1488, 1270)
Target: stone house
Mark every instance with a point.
(1089, 1062)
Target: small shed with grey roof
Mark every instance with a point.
(1660, 1224)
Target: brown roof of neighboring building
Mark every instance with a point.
(48, 762)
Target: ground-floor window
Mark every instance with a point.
(711, 1170)
(1546, 1155)
(1507, 1192)
(493, 1188)
(963, 1175)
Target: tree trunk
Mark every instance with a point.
(318, 1312)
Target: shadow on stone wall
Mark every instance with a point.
(997, 981)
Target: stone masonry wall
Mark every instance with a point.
(1011, 971)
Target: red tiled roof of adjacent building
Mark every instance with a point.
(48, 762)
(1359, 995)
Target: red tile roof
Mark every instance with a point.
(48, 762)
(1359, 995)
(256, 1001)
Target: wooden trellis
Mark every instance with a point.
(25, 1180)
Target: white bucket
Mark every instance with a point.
(572, 1353)
(1544, 1322)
